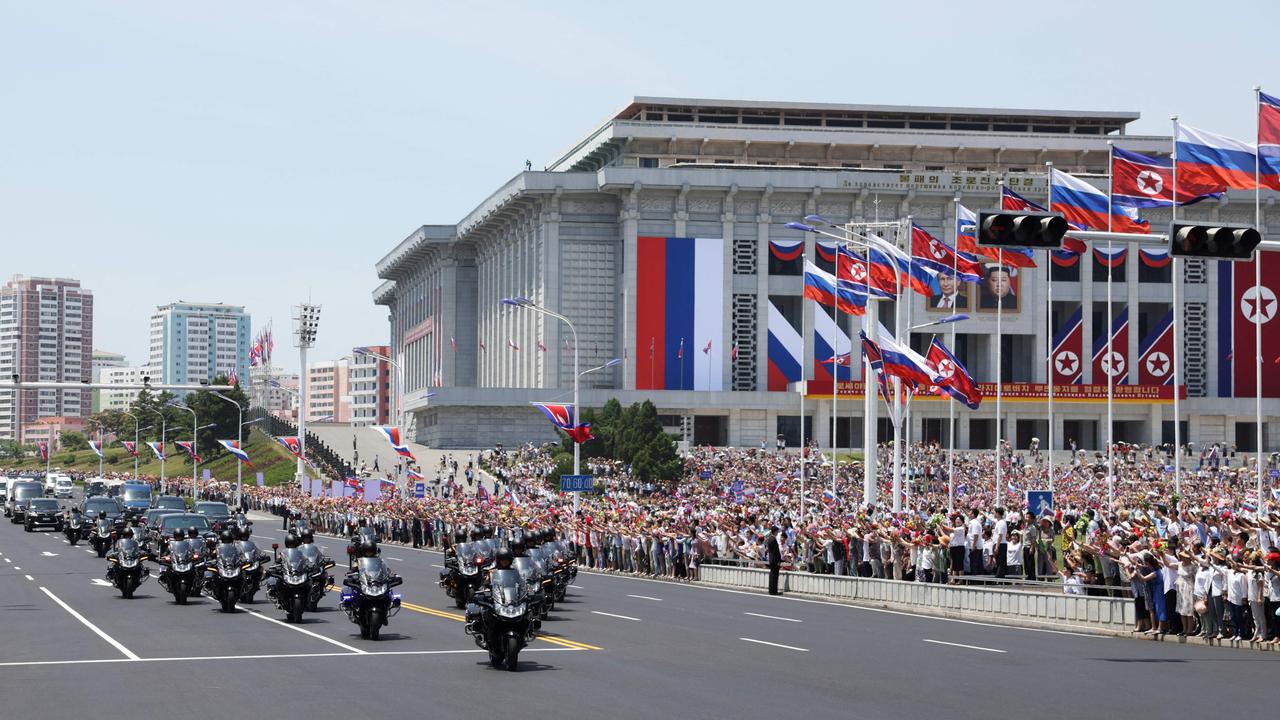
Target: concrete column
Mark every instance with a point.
(1156, 418)
(763, 218)
(629, 219)
(552, 367)
(821, 412)
(727, 220)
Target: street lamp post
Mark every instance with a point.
(240, 443)
(163, 432)
(195, 446)
(135, 442)
(399, 381)
(305, 325)
(524, 302)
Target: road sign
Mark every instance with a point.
(577, 483)
(1039, 501)
(419, 490)
(1275, 473)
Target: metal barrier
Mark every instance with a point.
(1081, 613)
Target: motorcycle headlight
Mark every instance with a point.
(509, 611)
(181, 566)
(373, 589)
(295, 578)
(467, 569)
(127, 562)
(228, 570)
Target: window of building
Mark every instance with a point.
(723, 161)
(648, 162)
(1064, 274)
(1148, 274)
(1100, 272)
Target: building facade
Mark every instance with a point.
(328, 391)
(370, 383)
(122, 399)
(103, 359)
(607, 233)
(274, 390)
(196, 342)
(46, 334)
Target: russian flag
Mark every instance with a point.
(820, 286)
(1083, 204)
(233, 447)
(157, 448)
(1207, 159)
(392, 434)
(1268, 141)
(829, 342)
(413, 475)
(96, 447)
(911, 274)
(1112, 257)
(680, 295)
(826, 249)
(786, 250)
(902, 362)
(786, 351)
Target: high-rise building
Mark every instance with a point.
(196, 342)
(120, 399)
(328, 391)
(275, 391)
(103, 359)
(370, 383)
(46, 334)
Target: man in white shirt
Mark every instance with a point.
(976, 566)
(1000, 538)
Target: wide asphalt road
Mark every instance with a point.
(620, 647)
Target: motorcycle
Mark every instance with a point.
(531, 573)
(291, 580)
(101, 536)
(499, 621)
(254, 572)
(367, 598)
(225, 576)
(239, 524)
(323, 580)
(463, 577)
(73, 528)
(180, 573)
(126, 571)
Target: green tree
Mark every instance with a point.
(211, 409)
(72, 440)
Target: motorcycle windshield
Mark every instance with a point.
(464, 550)
(129, 550)
(181, 553)
(508, 587)
(312, 554)
(526, 567)
(295, 561)
(373, 571)
(228, 555)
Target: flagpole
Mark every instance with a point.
(951, 406)
(999, 371)
(896, 416)
(835, 376)
(1048, 338)
(1109, 367)
(1257, 278)
(906, 410)
(1177, 320)
(100, 452)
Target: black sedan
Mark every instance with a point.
(42, 512)
(161, 533)
(217, 512)
(169, 502)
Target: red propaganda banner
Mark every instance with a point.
(1027, 392)
(1114, 364)
(1239, 303)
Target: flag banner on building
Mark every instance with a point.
(826, 250)
(1155, 353)
(1112, 257)
(786, 351)
(291, 443)
(1114, 365)
(392, 435)
(1140, 181)
(828, 343)
(1239, 303)
(130, 447)
(941, 257)
(1068, 349)
(96, 447)
(820, 286)
(1211, 162)
(954, 378)
(786, 250)
(189, 447)
(1155, 257)
(680, 294)
(44, 450)
(1268, 141)
(157, 448)
(233, 447)
(1064, 258)
(1087, 206)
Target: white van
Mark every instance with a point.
(62, 487)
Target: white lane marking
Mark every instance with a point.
(88, 551)
(645, 597)
(620, 617)
(777, 645)
(100, 582)
(46, 553)
(577, 587)
(29, 578)
(15, 567)
(396, 559)
(109, 661)
(962, 645)
(772, 617)
(97, 630)
(7, 560)
(437, 566)
(304, 631)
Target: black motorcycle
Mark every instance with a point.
(224, 578)
(367, 598)
(73, 528)
(101, 536)
(180, 571)
(498, 618)
(126, 571)
(531, 571)
(254, 572)
(320, 566)
(290, 582)
(462, 574)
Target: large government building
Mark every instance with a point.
(662, 235)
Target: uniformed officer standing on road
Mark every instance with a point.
(773, 556)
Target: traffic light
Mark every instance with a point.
(1021, 229)
(1219, 240)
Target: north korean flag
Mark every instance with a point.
(1141, 181)
(955, 379)
(1068, 349)
(1113, 365)
(1239, 305)
(936, 254)
(1155, 354)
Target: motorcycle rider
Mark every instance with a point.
(361, 535)
(125, 534)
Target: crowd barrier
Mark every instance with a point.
(1078, 613)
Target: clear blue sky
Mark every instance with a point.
(260, 153)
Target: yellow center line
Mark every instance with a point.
(554, 640)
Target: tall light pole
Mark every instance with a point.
(305, 324)
(526, 303)
(239, 442)
(163, 432)
(195, 445)
(135, 442)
